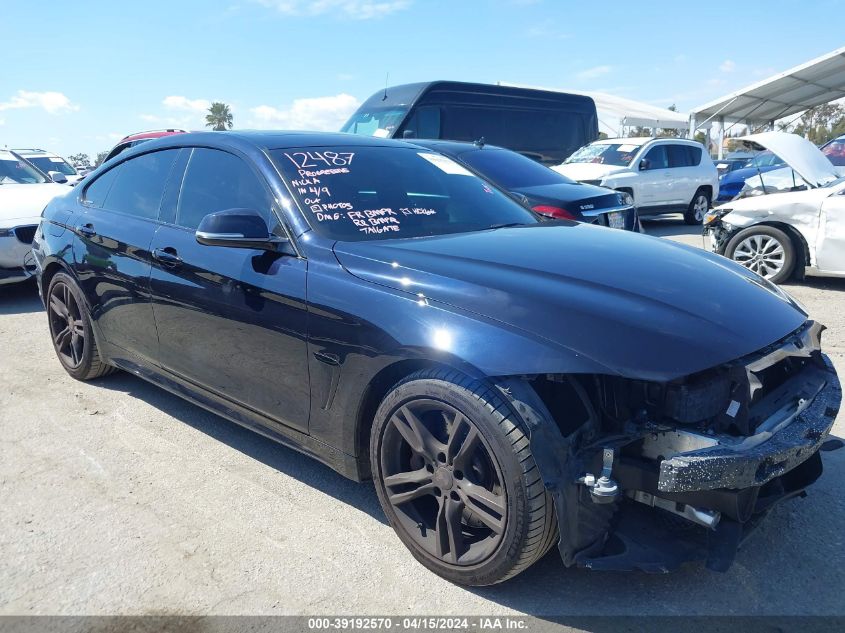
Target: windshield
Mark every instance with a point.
(376, 193)
(835, 151)
(766, 159)
(619, 154)
(511, 170)
(52, 163)
(13, 171)
(380, 122)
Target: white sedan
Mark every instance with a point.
(789, 221)
(24, 193)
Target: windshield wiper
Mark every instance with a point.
(505, 225)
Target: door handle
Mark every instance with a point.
(87, 230)
(167, 257)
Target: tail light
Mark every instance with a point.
(554, 212)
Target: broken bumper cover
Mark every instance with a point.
(804, 425)
(741, 484)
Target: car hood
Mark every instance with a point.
(24, 203)
(799, 153)
(588, 171)
(633, 305)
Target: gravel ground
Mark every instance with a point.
(119, 498)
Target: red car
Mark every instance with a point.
(141, 137)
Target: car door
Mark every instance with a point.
(655, 177)
(830, 245)
(121, 208)
(231, 320)
(683, 172)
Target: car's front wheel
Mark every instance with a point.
(455, 476)
(697, 208)
(70, 330)
(766, 250)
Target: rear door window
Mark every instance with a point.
(678, 156)
(139, 185)
(216, 181)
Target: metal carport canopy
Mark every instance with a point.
(813, 83)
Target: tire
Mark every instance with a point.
(698, 206)
(766, 250)
(71, 332)
(454, 473)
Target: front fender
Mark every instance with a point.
(358, 330)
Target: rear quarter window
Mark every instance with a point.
(97, 191)
(138, 184)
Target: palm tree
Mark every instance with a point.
(219, 117)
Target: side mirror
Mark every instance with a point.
(409, 134)
(237, 228)
(644, 164)
(57, 176)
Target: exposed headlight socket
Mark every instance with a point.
(604, 489)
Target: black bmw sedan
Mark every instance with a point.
(544, 190)
(510, 385)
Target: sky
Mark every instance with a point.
(78, 76)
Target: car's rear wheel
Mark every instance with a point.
(455, 476)
(697, 208)
(70, 330)
(766, 250)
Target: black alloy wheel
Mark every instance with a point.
(443, 482)
(71, 332)
(66, 325)
(455, 476)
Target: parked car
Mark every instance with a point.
(663, 175)
(545, 191)
(798, 226)
(139, 137)
(541, 124)
(379, 307)
(24, 192)
(835, 151)
(56, 168)
(727, 165)
(731, 183)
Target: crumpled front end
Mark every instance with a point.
(650, 475)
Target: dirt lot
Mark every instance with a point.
(116, 497)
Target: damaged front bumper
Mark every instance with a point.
(689, 493)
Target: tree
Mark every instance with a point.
(101, 156)
(822, 123)
(219, 117)
(80, 159)
(669, 131)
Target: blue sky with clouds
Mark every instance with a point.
(78, 76)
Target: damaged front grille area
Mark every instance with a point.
(730, 399)
(713, 451)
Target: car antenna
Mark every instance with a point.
(479, 142)
(386, 78)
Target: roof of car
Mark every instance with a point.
(280, 139)
(32, 152)
(642, 140)
(151, 134)
(454, 147)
